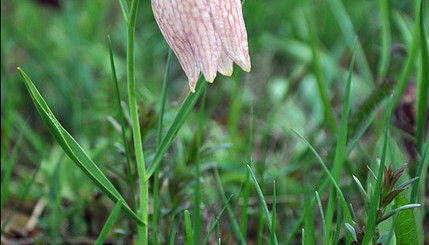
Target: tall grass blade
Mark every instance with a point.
(340, 150)
(124, 9)
(264, 204)
(246, 181)
(197, 194)
(273, 218)
(188, 227)
(73, 149)
(423, 83)
(325, 233)
(331, 178)
(122, 121)
(418, 186)
(216, 222)
(109, 223)
(158, 142)
(173, 231)
(184, 110)
(235, 227)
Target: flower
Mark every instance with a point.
(206, 35)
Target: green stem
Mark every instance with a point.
(143, 212)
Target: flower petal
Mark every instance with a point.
(225, 64)
(230, 26)
(198, 25)
(173, 31)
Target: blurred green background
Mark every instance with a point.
(62, 45)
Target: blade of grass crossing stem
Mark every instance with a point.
(423, 82)
(418, 185)
(173, 231)
(183, 112)
(216, 222)
(273, 218)
(385, 37)
(188, 227)
(264, 204)
(235, 227)
(331, 178)
(73, 149)
(325, 233)
(246, 181)
(124, 9)
(109, 223)
(197, 194)
(371, 222)
(8, 171)
(20, 199)
(158, 143)
(122, 121)
(142, 229)
(340, 149)
(411, 57)
(318, 73)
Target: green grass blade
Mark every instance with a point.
(325, 233)
(331, 178)
(158, 142)
(273, 218)
(109, 223)
(8, 171)
(122, 121)
(180, 118)
(246, 181)
(173, 231)
(264, 204)
(124, 9)
(73, 149)
(371, 221)
(303, 237)
(423, 83)
(235, 227)
(197, 194)
(418, 185)
(188, 227)
(339, 223)
(385, 37)
(216, 222)
(20, 198)
(318, 73)
(340, 150)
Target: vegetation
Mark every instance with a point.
(323, 142)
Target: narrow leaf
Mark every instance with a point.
(108, 225)
(73, 149)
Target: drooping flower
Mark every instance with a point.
(207, 36)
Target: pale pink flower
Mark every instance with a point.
(206, 35)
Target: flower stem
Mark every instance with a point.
(141, 170)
